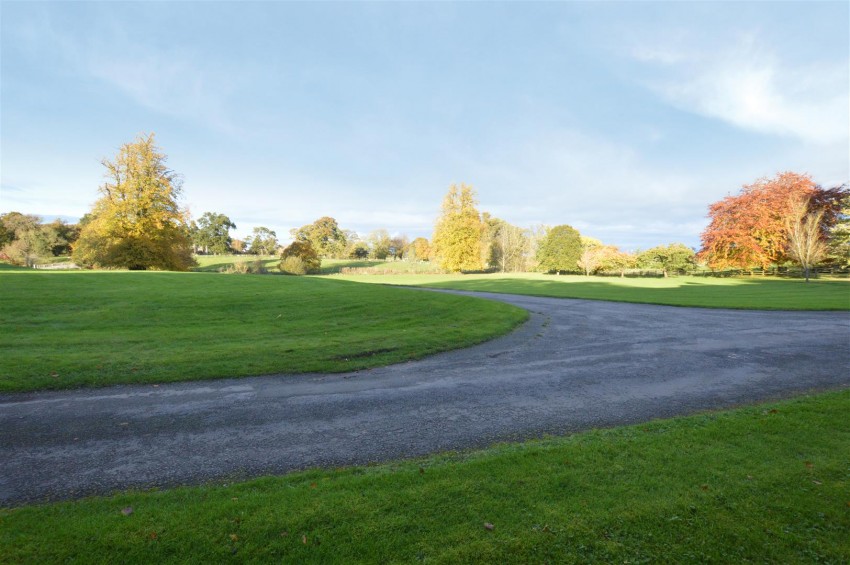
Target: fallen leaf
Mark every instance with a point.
(489, 526)
(313, 485)
(304, 539)
(235, 498)
(773, 411)
(127, 511)
(704, 487)
(421, 471)
(284, 534)
(817, 482)
(153, 535)
(749, 477)
(234, 537)
(809, 465)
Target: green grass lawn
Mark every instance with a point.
(72, 329)
(742, 292)
(767, 484)
(216, 263)
(334, 266)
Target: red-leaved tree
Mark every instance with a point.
(751, 229)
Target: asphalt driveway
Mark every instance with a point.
(576, 364)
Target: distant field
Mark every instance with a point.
(333, 266)
(761, 293)
(762, 484)
(84, 328)
(216, 263)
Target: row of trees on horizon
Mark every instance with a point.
(137, 223)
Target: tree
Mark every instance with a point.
(359, 251)
(838, 239)
(137, 223)
(805, 240)
(752, 228)
(213, 233)
(675, 257)
(420, 249)
(299, 258)
(325, 236)
(63, 235)
(399, 246)
(559, 251)
(508, 246)
(616, 260)
(457, 234)
(379, 242)
(263, 241)
(592, 254)
(24, 239)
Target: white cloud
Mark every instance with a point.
(749, 86)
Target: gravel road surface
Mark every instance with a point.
(576, 364)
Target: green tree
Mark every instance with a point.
(28, 240)
(137, 223)
(560, 250)
(63, 234)
(675, 257)
(379, 242)
(213, 233)
(359, 251)
(838, 240)
(399, 246)
(262, 241)
(458, 232)
(325, 236)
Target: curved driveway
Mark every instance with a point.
(576, 364)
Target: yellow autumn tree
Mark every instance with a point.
(458, 232)
(137, 223)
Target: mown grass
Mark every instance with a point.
(765, 484)
(334, 266)
(707, 292)
(72, 329)
(217, 263)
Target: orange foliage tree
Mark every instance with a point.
(751, 228)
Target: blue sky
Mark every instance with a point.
(625, 120)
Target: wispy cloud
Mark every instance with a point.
(750, 86)
(178, 82)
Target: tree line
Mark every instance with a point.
(137, 223)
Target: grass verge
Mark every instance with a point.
(768, 483)
(73, 329)
(743, 293)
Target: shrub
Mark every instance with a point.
(293, 266)
(307, 256)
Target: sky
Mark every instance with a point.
(624, 120)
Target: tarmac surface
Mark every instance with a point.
(575, 365)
